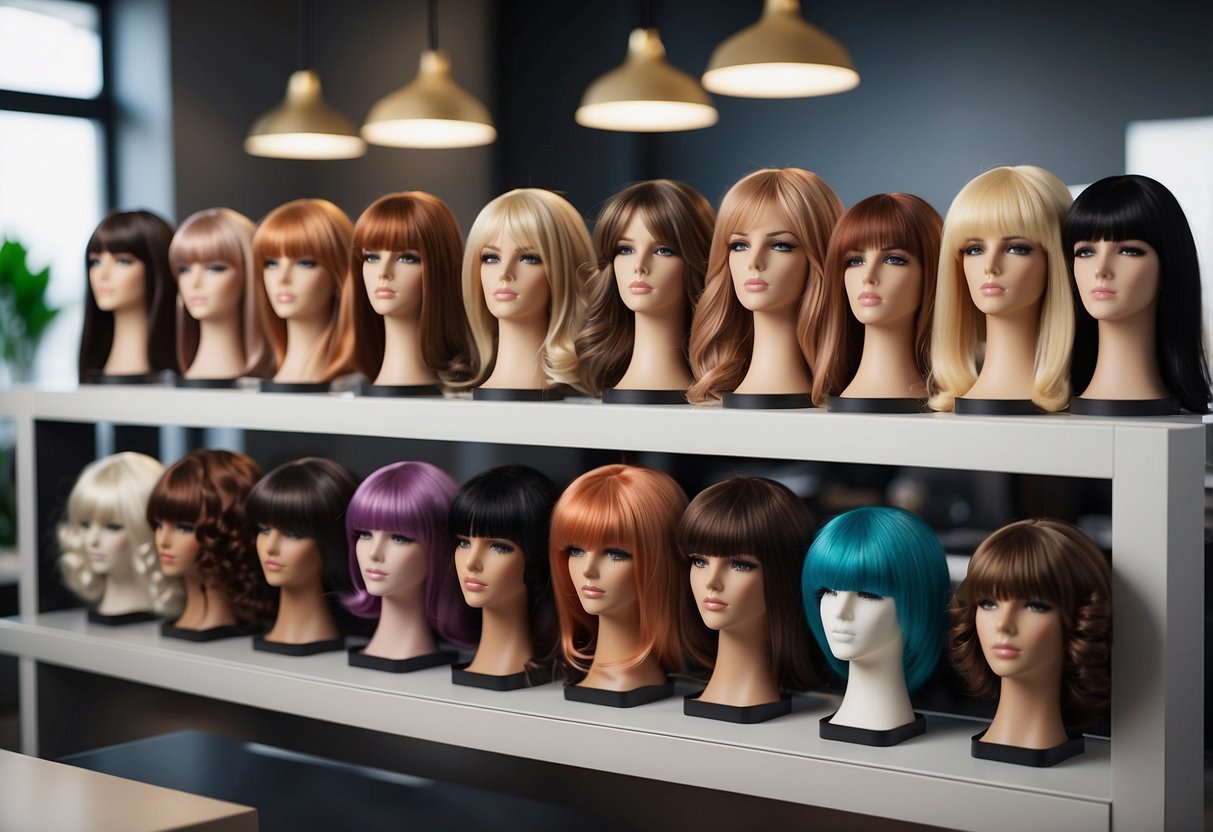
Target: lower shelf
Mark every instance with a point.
(930, 779)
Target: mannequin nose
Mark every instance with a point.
(870, 274)
(474, 562)
(642, 264)
(1006, 619)
(846, 606)
(271, 541)
(590, 568)
(716, 573)
(1103, 262)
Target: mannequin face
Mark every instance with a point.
(768, 267)
(210, 290)
(288, 559)
(1116, 279)
(117, 279)
(391, 563)
(728, 590)
(1005, 274)
(393, 282)
(298, 288)
(177, 545)
(490, 570)
(514, 280)
(107, 545)
(604, 578)
(1020, 639)
(648, 271)
(883, 285)
(859, 625)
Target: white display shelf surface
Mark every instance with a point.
(931, 779)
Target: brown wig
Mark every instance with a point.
(1054, 562)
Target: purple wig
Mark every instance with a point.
(412, 499)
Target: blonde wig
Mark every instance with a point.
(549, 226)
(115, 490)
(318, 229)
(722, 333)
(225, 236)
(1022, 201)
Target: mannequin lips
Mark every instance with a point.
(639, 287)
(869, 299)
(714, 604)
(385, 292)
(992, 290)
(273, 566)
(590, 591)
(373, 574)
(755, 284)
(166, 558)
(284, 297)
(1102, 293)
(198, 300)
(98, 556)
(505, 295)
(1005, 651)
(474, 584)
(842, 636)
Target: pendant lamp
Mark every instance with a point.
(780, 56)
(304, 126)
(646, 94)
(432, 111)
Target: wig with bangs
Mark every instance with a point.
(882, 221)
(549, 226)
(1140, 208)
(888, 552)
(722, 333)
(224, 236)
(412, 499)
(1024, 201)
(207, 489)
(418, 222)
(318, 229)
(632, 508)
(762, 519)
(675, 214)
(115, 490)
(1054, 562)
(145, 236)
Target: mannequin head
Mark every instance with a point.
(105, 535)
(136, 241)
(1016, 202)
(1052, 562)
(514, 503)
(411, 499)
(316, 230)
(722, 334)
(677, 217)
(220, 241)
(769, 525)
(885, 221)
(203, 495)
(890, 553)
(1139, 208)
(634, 510)
(547, 226)
(419, 227)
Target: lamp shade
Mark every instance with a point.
(645, 94)
(432, 111)
(304, 126)
(780, 56)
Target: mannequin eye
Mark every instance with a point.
(1132, 251)
(305, 263)
(294, 535)
(738, 245)
(897, 260)
(269, 263)
(783, 245)
(1020, 249)
(409, 257)
(490, 258)
(1084, 250)
(1037, 606)
(870, 596)
(973, 251)
(363, 534)
(624, 251)
(370, 257)
(217, 268)
(698, 562)
(501, 547)
(987, 604)
(156, 524)
(665, 251)
(823, 592)
(852, 262)
(463, 543)
(93, 262)
(739, 565)
(185, 528)
(618, 555)
(113, 527)
(402, 540)
(124, 259)
(530, 259)
(574, 551)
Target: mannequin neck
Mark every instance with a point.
(519, 343)
(128, 350)
(123, 594)
(887, 368)
(876, 697)
(745, 672)
(1127, 364)
(658, 362)
(619, 641)
(303, 615)
(403, 631)
(403, 359)
(1009, 370)
(220, 349)
(777, 364)
(1029, 713)
(205, 607)
(505, 639)
(306, 351)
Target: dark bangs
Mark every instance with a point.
(179, 497)
(513, 502)
(1116, 208)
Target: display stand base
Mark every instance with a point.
(360, 659)
(210, 634)
(1124, 408)
(741, 714)
(1036, 757)
(614, 395)
(867, 736)
(619, 698)
(847, 404)
(460, 675)
(205, 383)
(127, 378)
(766, 401)
(268, 386)
(401, 391)
(118, 620)
(996, 407)
(515, 394)
(307, 648)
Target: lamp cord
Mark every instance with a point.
(304, 45)
(431, 16)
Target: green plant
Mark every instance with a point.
(24, 313)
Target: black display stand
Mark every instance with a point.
(840, 404)
(308, 648)
(766, 401)
(534, 677)
(398, 391)
(205, 383)
(360, 659)
(1036, 757)
(619, 698)
(118, 620)
(741, 714)
(1124, 408)
(515, 394)
(131, 378)
(210, 634)
(614, 395)
(995, 407)
(866, 736)
(268, 386)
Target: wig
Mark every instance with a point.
(318, 229)
(115, 490)
(722, 333)
(635, 509)
(882, 221)
(548, 225)
(207, 489)
(225, 236)
(412, 499)
(308, 497)
(763, 519)
(145, 236)
(1054, 562)
(675, 214)
(1139, 208)
(1009, 201)
(422, 223)
(888, 552)
(514, 502)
